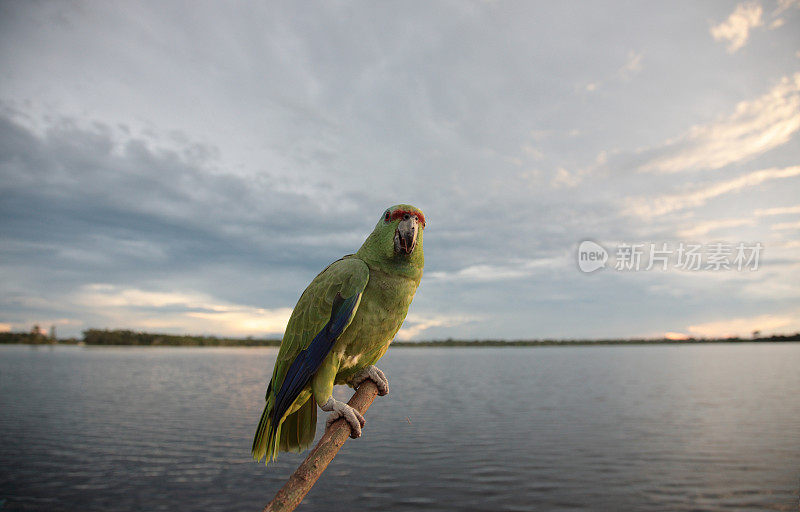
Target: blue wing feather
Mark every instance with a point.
(309, 359)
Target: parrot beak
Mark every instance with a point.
(405, 237)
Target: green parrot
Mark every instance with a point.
(342, 324)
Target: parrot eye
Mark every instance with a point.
(406, 216)
(386, 216)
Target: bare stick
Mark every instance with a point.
(298, 485)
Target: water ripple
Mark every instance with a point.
(581, 428)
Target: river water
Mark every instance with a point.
(667, 427)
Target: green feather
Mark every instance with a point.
(347, 277)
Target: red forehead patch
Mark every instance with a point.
(398, 214)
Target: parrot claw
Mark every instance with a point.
(374, 374)
(341, 410)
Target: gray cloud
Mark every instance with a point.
(226, 156)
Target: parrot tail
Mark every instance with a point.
(298, 429)
(263, 436)
(294, 433)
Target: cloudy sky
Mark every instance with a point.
(189, 167)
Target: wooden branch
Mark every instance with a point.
(298, 485)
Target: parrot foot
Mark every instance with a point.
(342, 410)
(374, 374)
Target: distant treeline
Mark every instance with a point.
(126, 337)
(27, 338)
(626, 341)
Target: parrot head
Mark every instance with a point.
(397, 237)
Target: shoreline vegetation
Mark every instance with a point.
(121, 337)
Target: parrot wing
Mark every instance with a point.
(345, 277)
(321, 315)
